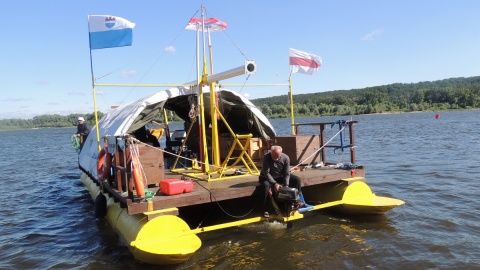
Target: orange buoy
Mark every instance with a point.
(104, 163)
(137, 177)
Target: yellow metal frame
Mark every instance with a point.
(218, 170)
(226, 167)
(295, 215)
(292, 113)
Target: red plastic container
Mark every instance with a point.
(188, 186)
(175, 186)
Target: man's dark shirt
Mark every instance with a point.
(279, 169)
(83, 129)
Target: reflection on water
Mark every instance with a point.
(318, 242)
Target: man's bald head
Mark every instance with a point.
(276, 152)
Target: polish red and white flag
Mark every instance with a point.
(304, 62)
(211, 24)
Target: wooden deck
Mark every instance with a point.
(222, 190)
(301, 148)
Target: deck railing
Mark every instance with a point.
(348, 125)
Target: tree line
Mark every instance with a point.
(47, 121)
(448, 94)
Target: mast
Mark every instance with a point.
(213, 111)
(210, 51)
(205, 79)
(203, 135)
(292, 113)
(94, 92)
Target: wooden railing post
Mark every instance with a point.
(352, 142)
(322, 142)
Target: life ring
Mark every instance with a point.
(104, 164)
(137, 177)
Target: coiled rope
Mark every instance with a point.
(75, 142)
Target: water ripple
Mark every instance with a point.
(431, 164)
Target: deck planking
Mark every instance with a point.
(301, 148)
(206, 192)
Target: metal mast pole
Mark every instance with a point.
(93, 90)
(203, 136)
(292, 114)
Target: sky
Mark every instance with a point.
(46, 66)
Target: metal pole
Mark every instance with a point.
(93, 89)
(292, 114)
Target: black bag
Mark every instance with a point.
(288, 194)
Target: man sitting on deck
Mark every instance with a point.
(276, 173)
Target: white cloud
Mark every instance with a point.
(247, 95)
(170, 49)
(15, 99)
(129, 73)
(76, 93)
(43, 82)
(23, 114)
(372, 35)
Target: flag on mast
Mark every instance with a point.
(212, 24)
(107, 31)
(304, 62)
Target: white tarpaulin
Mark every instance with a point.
(126, 119)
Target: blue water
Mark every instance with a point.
(47, 218)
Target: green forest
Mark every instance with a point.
(448, 94)
(47, 121)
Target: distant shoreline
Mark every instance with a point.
(396, 112)
(35, 128)
(300, 116)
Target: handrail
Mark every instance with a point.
(322, 126)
